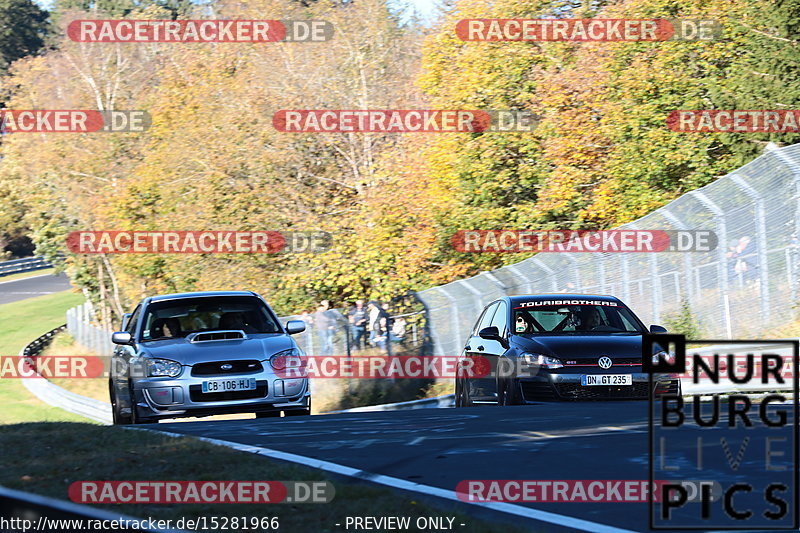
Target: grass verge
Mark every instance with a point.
(49, 457)
(20, 323)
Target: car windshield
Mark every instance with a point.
(180, 317)
(569, 317)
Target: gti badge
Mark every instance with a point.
(604, 362)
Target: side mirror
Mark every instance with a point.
(657, 329)
(295, 326)
(490, 333)
(122, 337)
(493, 334)
(125, 319)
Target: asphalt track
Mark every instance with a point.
(554, 441)
(22, 289)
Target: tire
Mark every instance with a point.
(507, 394)
(459, 396)
(466, 401)
(116, 411)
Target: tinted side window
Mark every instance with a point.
(500, 318)
(477, 325)
(486, 319)
(134, 321)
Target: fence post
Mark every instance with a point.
(626, 277)
(454, 316)
(550, 272)
(722, 260)
(687, 256)
(526, 281)
(761, 245)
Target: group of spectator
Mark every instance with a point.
(370, 323)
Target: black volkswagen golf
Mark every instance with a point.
(558, 347)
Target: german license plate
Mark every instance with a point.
(229, 385)
(606, 379)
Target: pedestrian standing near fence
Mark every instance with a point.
(324, 323)
(358, 324)
(378, 319)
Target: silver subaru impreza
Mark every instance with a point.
(205, 353)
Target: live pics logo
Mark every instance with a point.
(734, 428)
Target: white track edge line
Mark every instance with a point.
(508, 508)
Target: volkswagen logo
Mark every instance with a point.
(230, 367)
(604, 362)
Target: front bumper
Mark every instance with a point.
(164, 397)
(568, 387)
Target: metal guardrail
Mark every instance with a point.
(27, 264)
(448, 400)
(23, 511)
(56, 396)
(43, 341)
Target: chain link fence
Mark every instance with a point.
(759, 202)
(730, 296)
(327, 332)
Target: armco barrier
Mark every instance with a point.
(40, 513)
(440, 401)
(57, 396)
(27, 264)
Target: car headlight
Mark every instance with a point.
(543, 361)
(668, 357)
(293, 358)
(163, 367)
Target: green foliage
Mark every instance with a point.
(123, 8)
(684, 322)
(23, 28)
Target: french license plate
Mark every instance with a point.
(228, 385)
(606, 379)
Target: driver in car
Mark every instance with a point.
(592, 319)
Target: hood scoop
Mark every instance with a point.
(211, 336)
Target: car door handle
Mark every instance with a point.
(480, 348)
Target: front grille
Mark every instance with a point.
(599, 392)
(537, 391)
(237, 367)
(197, 395)
(593, 361)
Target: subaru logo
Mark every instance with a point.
(230, 367)
(604, 362)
